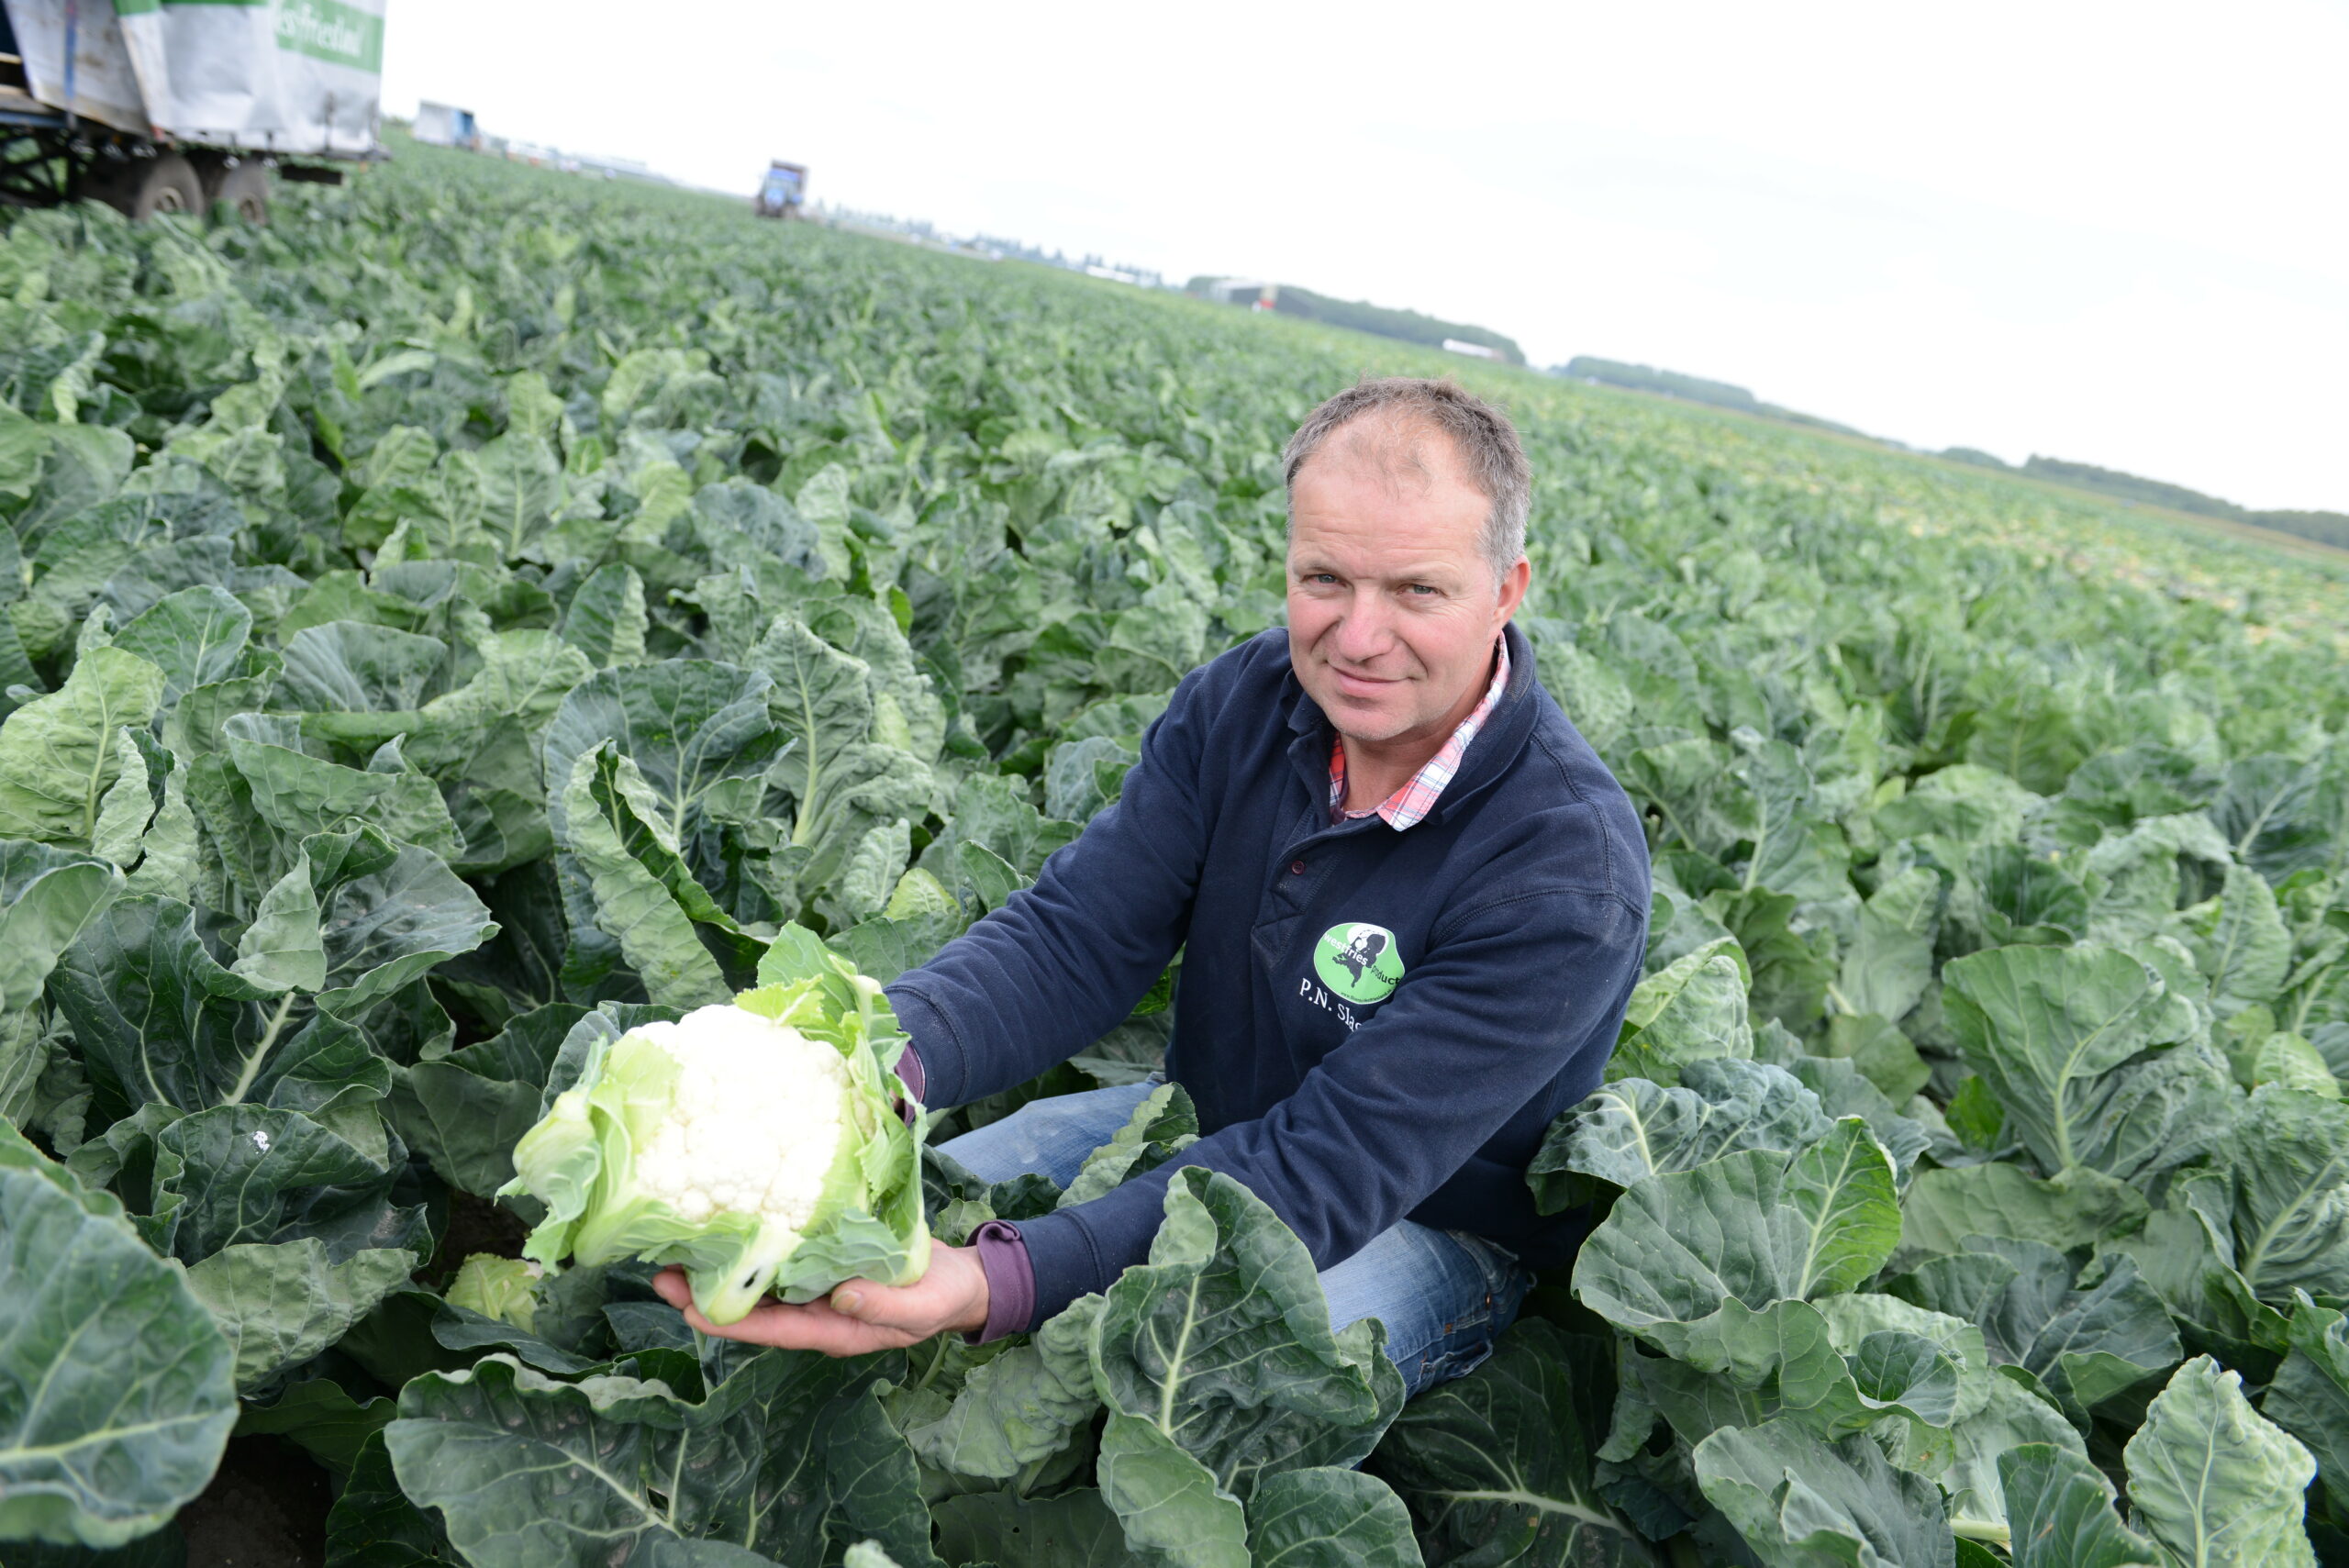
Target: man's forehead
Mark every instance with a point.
(1393, 446)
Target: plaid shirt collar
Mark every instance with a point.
(1408, 806)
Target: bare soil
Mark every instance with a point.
(265, 1508)
(475, 1225)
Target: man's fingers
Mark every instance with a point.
(909, 1308)
(811, 1328)
(860, 1317)
(779, 1326)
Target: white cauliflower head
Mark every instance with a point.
(757, 1143)
(753, 1123)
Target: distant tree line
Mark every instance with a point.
(1409, 326)
(1647, 378)
(1689, 388)
(2325, 527)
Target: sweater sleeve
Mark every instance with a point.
(1515, 994)
(1063, 963)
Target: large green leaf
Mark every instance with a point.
(1018, 1408)
(2273, 812)
(1694, 1009)
(1167, 1503)
(789, 1453)
(2239, 940)
(60, 753)
(606, 619)
(300, 795)
(352, 667)
(2214, 1482)
(2086, 1345)
(2021, 897)
(282, 1304)
(841, 741)
(1965, 1457)
(1800, 1502)
(2187, 1253)
(1945, 1206)
(1162, 1127)
(607, 809)
(2290, 1160)
(2059, 1034)
(465, 1111)
(1749, 1228)
(48, 898)
(1632, 1128)
(373, 1525)
(1328, 1518)
(392, 914)
(158, 1018)
(1890, 960)
(1221, 1344)
(1498, 1466)
(324, 1418)
(2060, 1509)
(691, 727)
(248, 1174)
(196, 637)
(2309, 1397)
(522, 484)
(907, 711)
(994, 811)
(117, 1392)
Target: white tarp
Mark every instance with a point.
(282, 75)
(104, 88)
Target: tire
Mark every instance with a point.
(245, 189)
(146, 186)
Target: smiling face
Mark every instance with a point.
(1392, 606)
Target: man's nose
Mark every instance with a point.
(1364, 630)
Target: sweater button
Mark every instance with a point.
(1296, 868)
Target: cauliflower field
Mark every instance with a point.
(486, 612)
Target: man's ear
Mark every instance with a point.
(1514, 583)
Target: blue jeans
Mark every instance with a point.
(1444, 1295)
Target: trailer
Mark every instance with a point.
(445, 125)
(783, 191)
(171, 106)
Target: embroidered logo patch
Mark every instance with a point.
(1358, 962)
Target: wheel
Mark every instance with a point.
(245, 188)
(145, 187)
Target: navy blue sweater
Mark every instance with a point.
(1374, 1025)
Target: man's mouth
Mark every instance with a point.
(1361, 686)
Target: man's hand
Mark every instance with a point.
(860, 1317)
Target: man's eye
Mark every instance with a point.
(1419, 590)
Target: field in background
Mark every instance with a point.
(481, 612)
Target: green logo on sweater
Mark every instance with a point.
(1358, 962)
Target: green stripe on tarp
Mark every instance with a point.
(332, 31)
(324, 29)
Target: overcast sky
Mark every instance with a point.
(2113, 233)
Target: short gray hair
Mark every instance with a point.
(1481, 434)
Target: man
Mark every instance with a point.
(1412, 903)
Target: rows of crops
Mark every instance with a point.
(475, 614)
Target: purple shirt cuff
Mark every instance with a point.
(910, 1075)
(1011, 1280)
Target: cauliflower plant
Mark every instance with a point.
(756, 1142)
(503, 1288)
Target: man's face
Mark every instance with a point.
(1392, 607)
